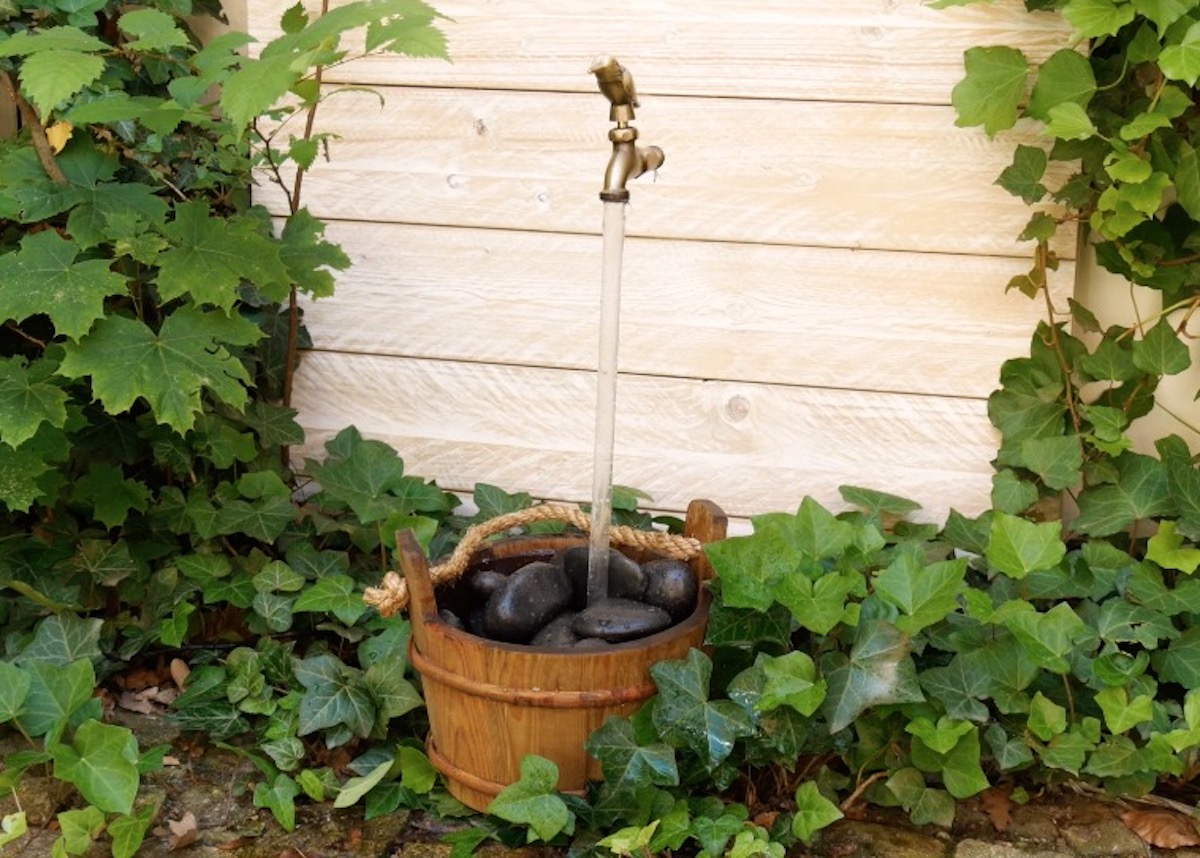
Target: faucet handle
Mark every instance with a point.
(616, 83)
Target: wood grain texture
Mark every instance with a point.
(871, 320)
(830, 175)
(751, 448)
(897, 51)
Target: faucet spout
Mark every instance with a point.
(628, 160)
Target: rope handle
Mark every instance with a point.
(391, 596)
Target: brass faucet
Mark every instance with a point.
(628, 160)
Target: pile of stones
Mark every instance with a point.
(544, 602)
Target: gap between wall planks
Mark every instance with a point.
(894, 177)
(472, 295)
(797, 245)
(878, 51)
(752, 447)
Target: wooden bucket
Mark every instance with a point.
(492, 703)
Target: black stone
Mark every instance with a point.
(530, 598)
(625, 578)
(557, 632)
(485, 582)
(617, 620)
(450, 618)
(592, 643)
(672, 586)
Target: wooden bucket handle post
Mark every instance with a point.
(707, 522)
(422, 604)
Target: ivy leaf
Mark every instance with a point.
(1163, 13)
(111, 495)
(356, 787)
(531, 800)
(101, 762)
(1140, 492)
(1182, 61)
(1122, 714)
(686, 717)
(1092, 18)
(43, 277)
(79, 828)
(1056, 460)
(1023, 178)
(1069, 121)
(1181, 661)
(27, 400)
(879, 670)
(959, 767)
(1017, 547)
(392, 693)
(940, 737)
(813, 812)
(280, 798)
(626, 763)
(924, 594)
(1167, 549)
(1047, 637)
(128, 832)
(363, 474)
(50, 77)
(1161, 352)
(169, 369)
(817, 605)
(992, 88)
(1066, 77)
(63, 639)
(211, 256)
(959, 687)
(1046, 718)
(791, 680)
(335, 594)
(333, 696)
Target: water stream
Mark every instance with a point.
(606, 401)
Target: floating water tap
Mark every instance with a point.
(628, 160)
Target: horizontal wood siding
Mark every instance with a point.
(813, 286)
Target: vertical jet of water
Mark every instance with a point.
(606, 399)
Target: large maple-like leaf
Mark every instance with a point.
(879, 670)
(168, 369)
(43, 277)
(27, 401)
(211, 256)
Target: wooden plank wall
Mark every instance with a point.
(813, 288)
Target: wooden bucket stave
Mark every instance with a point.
(492, 703)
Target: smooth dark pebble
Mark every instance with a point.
(450, 618)
(476, 623)
(557, 632)
(625, 578)
(617, 620)
(486, 582)
(592, 643)
(672, 586)
(531, 597)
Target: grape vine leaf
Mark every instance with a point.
(152, 30)
(112, 495)
(308, 256)
(1066, 77)
(27, 400)
(44, 277)
(170, 368)
(992, 88)
(211, 256)
(686, 717)
(878, 670)
(101, 762)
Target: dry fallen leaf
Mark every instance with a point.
(998, 806)
(58, 134)
(180, 672)
(183, 832)
(136, 702)
(1163, 828)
